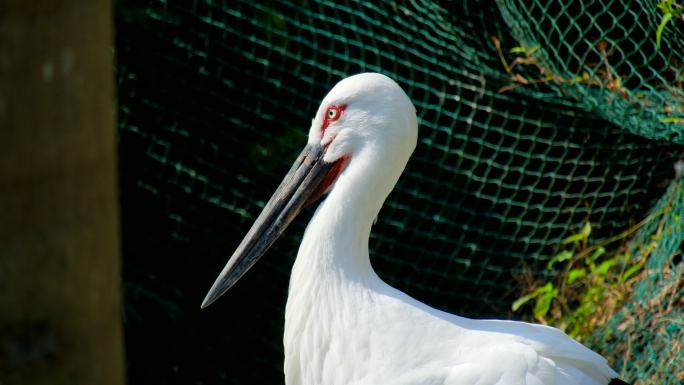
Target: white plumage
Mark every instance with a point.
(343, 324)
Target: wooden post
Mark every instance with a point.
(60, 265)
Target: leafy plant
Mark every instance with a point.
(526, 58)
(671, 10)
(588, 283)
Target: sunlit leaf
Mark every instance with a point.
(543, 303)
(599, 252)
(538, 292)
(671, 119)
(631, 271)
(560, 257)
(523, 300)
(604, 267)
(581, 236)
(575, 274)
(659, 33)
(665, 6)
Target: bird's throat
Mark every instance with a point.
(328, 181)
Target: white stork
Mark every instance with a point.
(343, 324)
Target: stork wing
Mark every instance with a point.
(579, 363)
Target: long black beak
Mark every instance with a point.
(300, 183)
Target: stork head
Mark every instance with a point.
(367, 110)
(365, 116)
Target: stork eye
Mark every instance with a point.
(333, 113)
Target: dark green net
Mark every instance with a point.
(216, 98)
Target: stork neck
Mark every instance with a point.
(336, 239)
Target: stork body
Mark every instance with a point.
(343, 324)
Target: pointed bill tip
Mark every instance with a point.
(209, 299)
(217, 289)
(205, 303)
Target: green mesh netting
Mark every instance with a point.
(216, 99)
(646, 338)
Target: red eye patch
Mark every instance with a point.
(332, 114)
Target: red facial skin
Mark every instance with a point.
(339, 164)
(327, 119)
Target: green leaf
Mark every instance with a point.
(665, 6)
(604, 267)
(631, 271)
(575, 274)
(599, 252)
(573, 238)
(666, 19)
(540, 291)
(671, 119)
(560, 257)
(523, 300)
(524, 50)
(543, 304)
(581, 236)
(518, 50)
